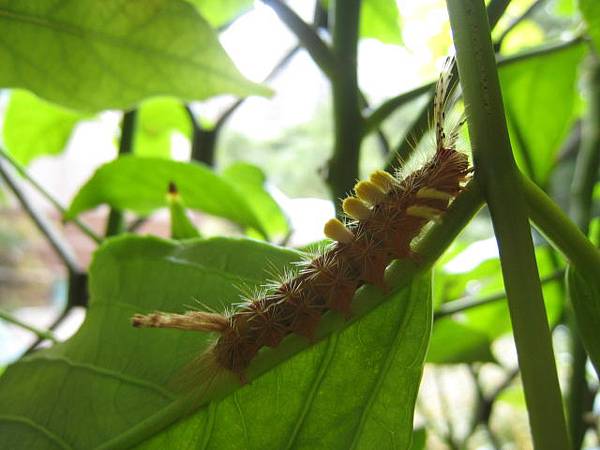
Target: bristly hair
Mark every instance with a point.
(384, 217)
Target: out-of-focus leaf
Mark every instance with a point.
(493, 319)
(219, 12)
(514, 396)
(356, 389)
(34, 127)
(531, 87)
(94, 55)
(181, 225)
(139, 184)
(380, 19)
(250, 181)
(590, 10)
(452, 342)
(157, 120)
(565, 7)
(585, 298)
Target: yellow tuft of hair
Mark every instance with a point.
(368, 192)
(355, 208)
(334, 229)
(383, 180)
(433, 194)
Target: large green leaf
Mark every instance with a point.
(33, 127)
(158, 119)
(250, 180)
(540, 96)
(590, 10)
(140, 185)
(380, 19)
(585, 298)
(357, 387)
(100, 54)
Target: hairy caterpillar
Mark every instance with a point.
(384, 217)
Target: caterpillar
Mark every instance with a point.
(384, 216)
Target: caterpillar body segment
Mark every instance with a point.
(386, 214)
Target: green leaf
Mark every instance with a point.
(220, 12)
(357, 387)
(453, 342)
(585, 298)
(590, 10)
(34, 127)
(380, 19)
(181, 225)
(531, 87)
(140, 185)
(250, 181)
(158, 119)
(93, 55)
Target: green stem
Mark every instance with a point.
(115, 223)
(49, 197)
(343, 165)
(502, 189)
(466, 303)
(552, 222)
(584, 179)
(398, 275)
(41, 334)
(528, 12)
(588, 158)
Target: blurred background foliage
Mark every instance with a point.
(226, 84)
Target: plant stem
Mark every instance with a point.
(528, 12)
(343, 165)
(466, 303)
(308, 37)
(49, 197)
(552, 222)
(115, 222)
(56, 241)
(579, 401)
(41, 334)
(501, 187)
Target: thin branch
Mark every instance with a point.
(55, 239)
(528, 12)
(41, 334)
(381, 137)
(204, 140)
(585, 176)
(348, 121)
(283, 62)
(49, 197)
(114, 224)
(77, 295)
(468, 302)
(308, 37)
